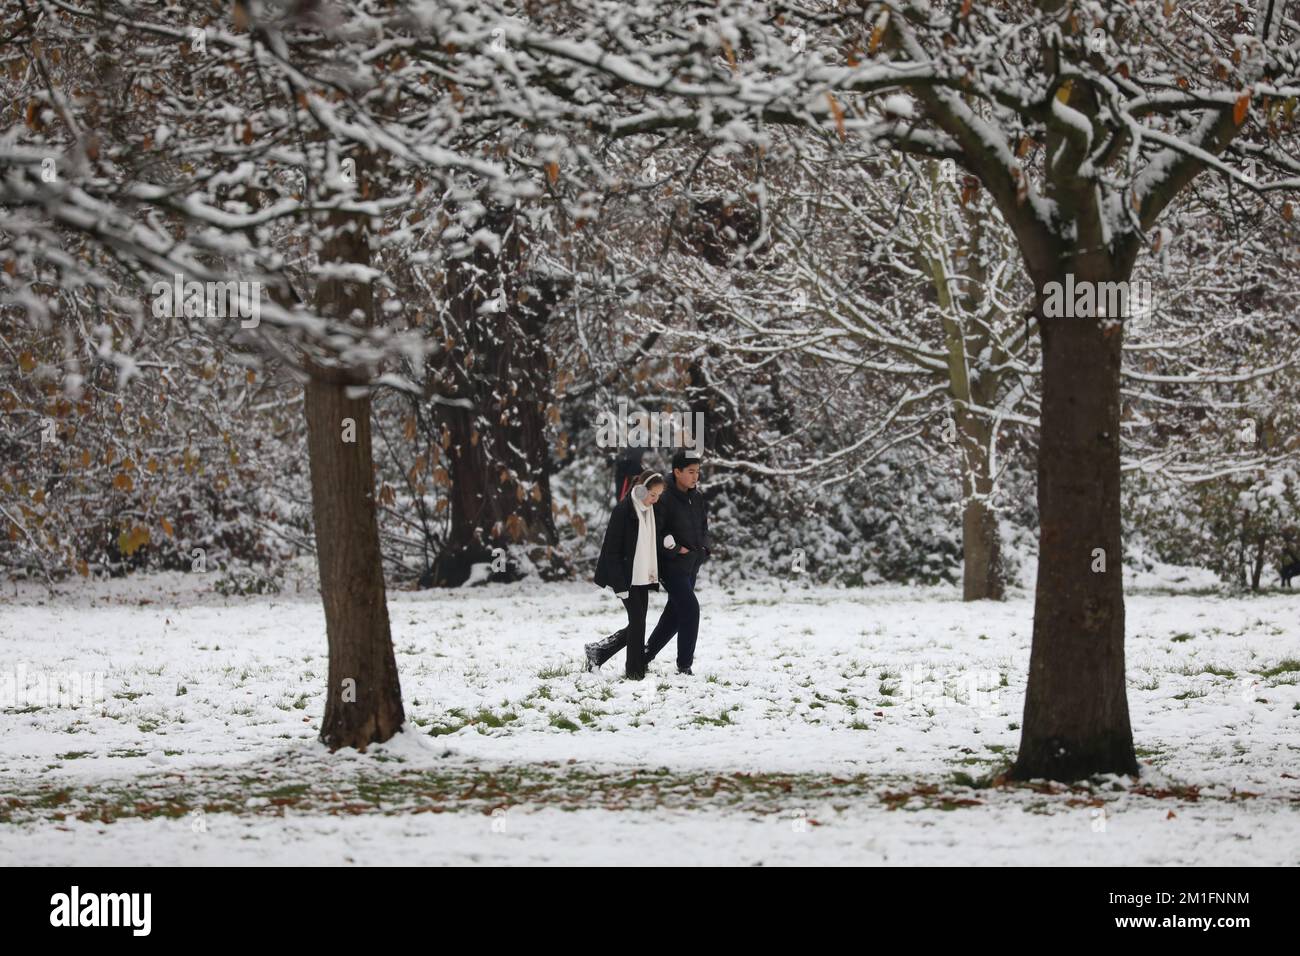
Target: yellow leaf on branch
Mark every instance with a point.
(1241, 108)
(838, 112)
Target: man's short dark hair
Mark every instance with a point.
(685, 458)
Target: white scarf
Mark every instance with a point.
(645, 562)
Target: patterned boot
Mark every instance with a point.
(601, 651)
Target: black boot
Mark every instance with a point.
(635, 666)
(601, 651)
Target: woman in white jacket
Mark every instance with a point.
(629, 564)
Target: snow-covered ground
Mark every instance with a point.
(822, 725)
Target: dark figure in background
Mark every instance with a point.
(627, 467)
(1289, 570)
(682, 517)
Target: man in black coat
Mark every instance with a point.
(682, 523)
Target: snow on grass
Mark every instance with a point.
(821, 724)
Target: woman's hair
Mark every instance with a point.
(649, 478)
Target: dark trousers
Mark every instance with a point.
(681, 616)
(632, 637)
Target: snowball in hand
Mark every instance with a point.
(670, 542)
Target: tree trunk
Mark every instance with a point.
(1076, 720)
(982, 577)
(496, 453)
(1257, 571)
(363, 700)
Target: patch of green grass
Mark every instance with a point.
(722, 720)
(459, 720)
(1180, 638)
(1189, 695)
(563, 723)
(444, 727)
(487, 718)
(286, 790)
(552, 672)
(1285, 666)
(57, 798)
(74, 754)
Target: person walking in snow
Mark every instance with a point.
(682, 516)
(629, 565)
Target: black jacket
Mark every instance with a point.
(685, 516)
(614, 568)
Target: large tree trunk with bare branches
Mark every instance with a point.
(1076, 720)
(363, 702)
